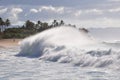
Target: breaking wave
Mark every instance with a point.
(70, 45)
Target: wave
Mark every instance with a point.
(83, 58)
(69, 45)
(62, 36)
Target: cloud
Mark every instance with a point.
(13, 15)
(87, 12)
(114, 10)
(87, 17)
(34, 10)
(59, 10)
(114, 0)
(95, 23)
(78, 13)
(97, 11)
(2, 11)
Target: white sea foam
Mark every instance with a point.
(56, 37)
(69, 45)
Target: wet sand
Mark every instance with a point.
(9, 42)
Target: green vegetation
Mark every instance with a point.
(4, 24)
(29, 28)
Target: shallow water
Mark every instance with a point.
(22, 68)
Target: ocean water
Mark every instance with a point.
(61, 54)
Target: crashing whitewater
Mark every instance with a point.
(70, 45)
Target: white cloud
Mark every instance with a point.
(98, 23)
(2, 11)
(78, 13)
(94, 11)
(87, 12)
(34, 10)
(14, 14)
(51, 8)
(16, 10)
(88, 17)
(59, 10)
(114, 0)
(114, 10)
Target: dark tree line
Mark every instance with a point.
(4, 23)
(40, 26)
(29, 28)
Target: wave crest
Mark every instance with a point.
(68, 45)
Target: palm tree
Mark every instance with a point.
(54, 23)
(62, 23)
(2, 23)
(7, 22)
(39, 22)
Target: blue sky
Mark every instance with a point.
(83, 13)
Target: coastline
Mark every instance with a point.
(9, 42)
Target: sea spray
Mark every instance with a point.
(69, 45)
(61, 36)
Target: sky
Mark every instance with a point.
(82, 13)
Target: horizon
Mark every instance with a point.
(84, 13)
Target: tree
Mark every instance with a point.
(7, 22)
(54, 23)
(84, 29)
(1, 21)
(23, 27)
(62, 23)
(57, 24)
(1, 24)
(45, 25)
(29, 24)
(39, 22)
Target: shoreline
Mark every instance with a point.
(9, 42)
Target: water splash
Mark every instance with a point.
(62, 36)
(69, 45)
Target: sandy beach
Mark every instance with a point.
(9, 42)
